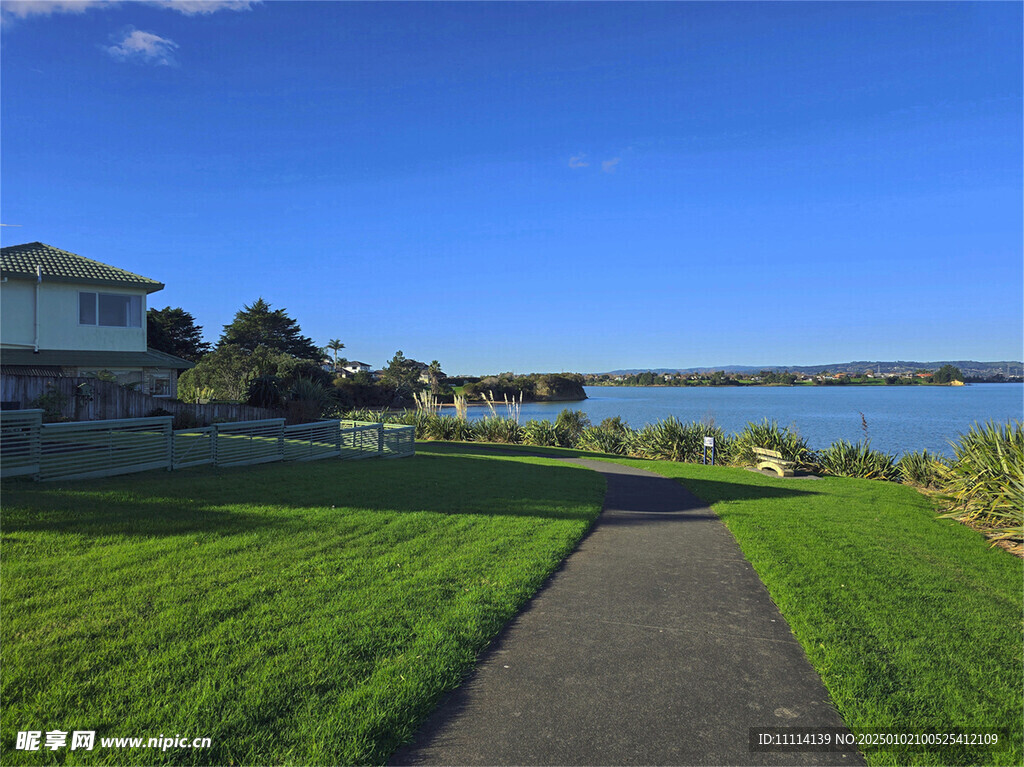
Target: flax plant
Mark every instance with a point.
(449, 428)
(600, 440)
(768, 434)
(985, 484)
(540, 433)
(497, 429)
(921, 469)
(845, 459)
(673, 440)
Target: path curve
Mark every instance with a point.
(655, 643)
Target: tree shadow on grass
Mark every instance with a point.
(635, 487)
(719, 491)
(291, 497)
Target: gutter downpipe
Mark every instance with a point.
(39, 279)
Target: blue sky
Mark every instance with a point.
(539, 186)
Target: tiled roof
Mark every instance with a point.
(46, 371)
(151, 358)
(21, 261)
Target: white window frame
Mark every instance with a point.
(132, 298)
(165, 377)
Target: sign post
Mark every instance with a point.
(709, 442)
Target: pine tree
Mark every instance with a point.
(174, 331)
(258, 325)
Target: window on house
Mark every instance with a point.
(86, 308)
(111, 310)
(161, 386)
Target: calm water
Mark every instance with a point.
(900, 418)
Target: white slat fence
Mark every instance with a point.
(105, 448)
(19, 442)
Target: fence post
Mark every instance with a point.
(169, 432)
(37, 446)
(215, 437)
(380, 439)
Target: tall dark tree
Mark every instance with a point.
(401, 372)
(175, 331)
(259, 325)
(948, 373)
(436, 376)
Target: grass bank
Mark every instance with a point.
(293, 613)
(913, 622)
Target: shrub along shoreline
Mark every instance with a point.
(981, 486)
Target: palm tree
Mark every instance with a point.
(336, 346)
(435, 374)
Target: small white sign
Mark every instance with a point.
(709, 442)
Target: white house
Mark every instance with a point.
(355, 367)
(65, 315)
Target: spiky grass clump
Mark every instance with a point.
(768, 434)
(985, 484)
(845, 459)
(540, 433)
(421, 419)
(569, 427)
(601, 440)
(366, 415)
(449, 428)
(673, 440)
(921, 469)
(497, 429)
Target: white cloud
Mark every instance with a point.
(24, 8)
(608, 166)
(144, 47)
(579, 161)
(204, 7)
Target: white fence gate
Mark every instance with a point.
(105, 448)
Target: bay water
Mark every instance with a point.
(899, 419)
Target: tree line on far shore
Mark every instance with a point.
(263, 359)
(944, 375)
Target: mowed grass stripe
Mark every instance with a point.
(913, 622)
(294, 613)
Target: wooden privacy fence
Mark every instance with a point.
(105, 448)
(89, 399)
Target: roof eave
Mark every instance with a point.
(149, 287)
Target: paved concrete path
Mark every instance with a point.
(654, 644)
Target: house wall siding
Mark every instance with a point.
(58, 318)
(17, 299)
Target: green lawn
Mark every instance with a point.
(913, 622)
(294, 613)
(313, 613)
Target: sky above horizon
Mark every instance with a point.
(538, 186)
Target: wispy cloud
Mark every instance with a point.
(204, 7)
(144, 47)
(608, 166)
(579, 161)
(24, 8)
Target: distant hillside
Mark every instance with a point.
(969, 368)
